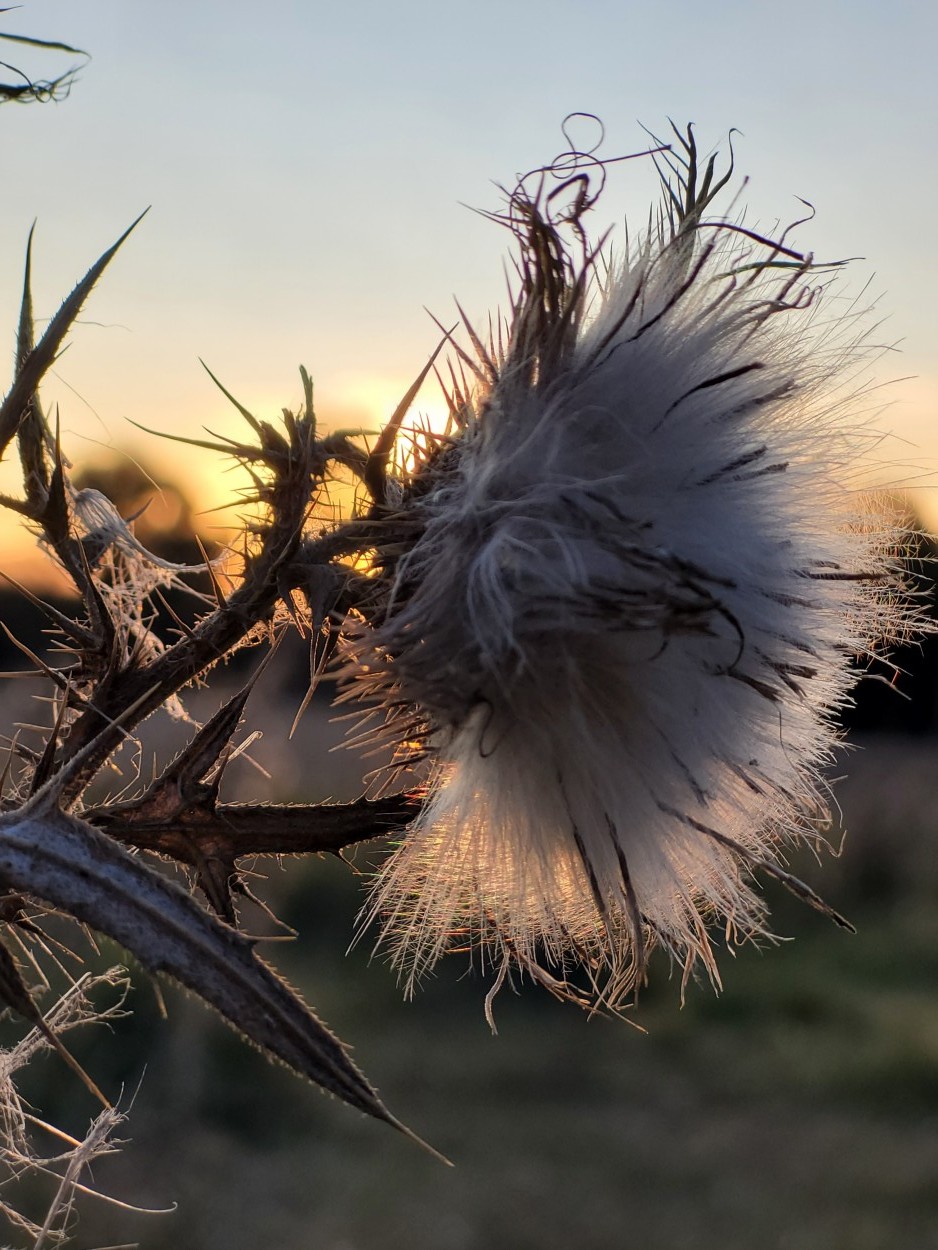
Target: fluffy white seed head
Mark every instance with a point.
(621, 606)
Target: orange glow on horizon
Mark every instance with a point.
(214, 485)
(25, 563)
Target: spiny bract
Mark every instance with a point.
(620, 604)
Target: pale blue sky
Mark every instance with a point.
(305, 163)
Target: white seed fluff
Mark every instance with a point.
(627, 605)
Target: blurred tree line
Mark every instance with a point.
(897, 694)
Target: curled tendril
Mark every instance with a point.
(580, 174)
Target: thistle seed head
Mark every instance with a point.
(621, 605)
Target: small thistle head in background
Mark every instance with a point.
(620, 604)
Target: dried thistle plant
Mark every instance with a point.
(611, 613)
(113, 671)
(632, 594)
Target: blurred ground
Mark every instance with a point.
(798, 1110)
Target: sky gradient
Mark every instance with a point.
(308, 166)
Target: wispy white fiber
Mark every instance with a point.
(134, 573)
(628, 602)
